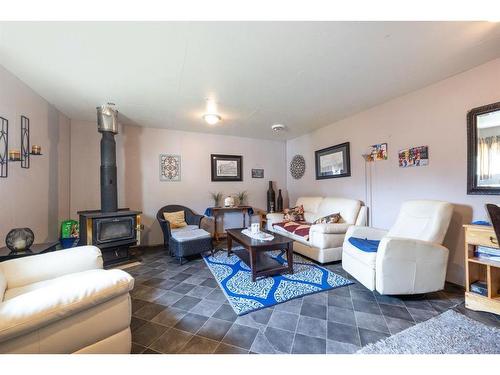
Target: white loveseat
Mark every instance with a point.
(325, 240)
(410, 258)
(64, 302)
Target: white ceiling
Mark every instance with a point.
(302, 74)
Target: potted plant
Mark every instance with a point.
(242, 197)
(216, 198)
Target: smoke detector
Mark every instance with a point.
(278, 127)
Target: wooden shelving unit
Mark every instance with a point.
(480, 269)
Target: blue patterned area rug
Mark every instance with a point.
(244, 295)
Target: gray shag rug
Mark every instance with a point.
(448, 333)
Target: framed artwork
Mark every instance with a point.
(170, 167)
(257, 173)
(226, 167)
(333, 162)
(414, 157)
(377, 152)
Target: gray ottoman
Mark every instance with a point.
(190, 242)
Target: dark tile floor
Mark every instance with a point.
(181, 309)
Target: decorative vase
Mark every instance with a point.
(279, 202)
(229, 202)
(19, 239)
(271, 198)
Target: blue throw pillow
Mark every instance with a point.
(364, 244)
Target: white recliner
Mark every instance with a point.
(410, 258)
(325, 240)
(64, 302)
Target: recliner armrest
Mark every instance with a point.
(365, 232)
(337, 228)
(73, 293)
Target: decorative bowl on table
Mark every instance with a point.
(19, 239)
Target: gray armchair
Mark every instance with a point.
(190, 216)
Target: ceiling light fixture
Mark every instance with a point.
(211, 118)
(278, 127)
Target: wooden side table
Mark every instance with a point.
(481, 269)
(220, 211)
(41, 248)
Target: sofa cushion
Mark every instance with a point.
(329, 219)
(190, 235)
(187, 227)
(60, 298)
(364, 244)
(423, 220)
(299, 229)
(338, 228)
(294, 237)
(347, 208)
(28, 270)
(176, 219)
(310, 204)
(294, 213)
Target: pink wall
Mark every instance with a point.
(37, 197)
(55, 187)
(434, 116)
(139, 185)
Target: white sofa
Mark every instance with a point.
(325, 240)
(410, 258)
(64, 302)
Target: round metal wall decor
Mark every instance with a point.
(19, 239)
(298, 167)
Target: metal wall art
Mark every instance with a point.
(298, 167)
(4, 147)
(25, 142)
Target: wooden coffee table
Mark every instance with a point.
(254, 254)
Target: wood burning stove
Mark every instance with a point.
(112, 232)
(111, 229)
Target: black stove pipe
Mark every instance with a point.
(109, 194)
(107, 124)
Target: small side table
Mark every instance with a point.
(481, 269)
(41, 248)
(220, 211)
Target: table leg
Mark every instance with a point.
(289, 257)
(215, 227)
(253, 267)
(243, 212)
(229, 245)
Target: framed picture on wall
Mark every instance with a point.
(170, 167)
(333, 162)
(257, 173)
(226, 167)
